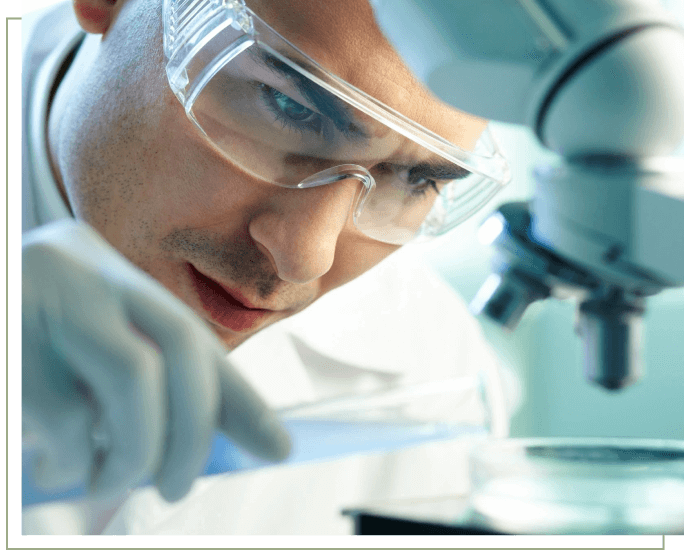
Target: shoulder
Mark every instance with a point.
(400, 317)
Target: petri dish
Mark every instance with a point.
(381, 420)
(578, 486)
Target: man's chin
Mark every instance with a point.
(231, 339)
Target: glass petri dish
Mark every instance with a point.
(380, 420)
(578, 486)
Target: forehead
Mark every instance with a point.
(343, 37)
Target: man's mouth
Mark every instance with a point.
(229, 308)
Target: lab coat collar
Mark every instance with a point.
(49, 205)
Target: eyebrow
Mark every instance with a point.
(344, 120)
(441, 171)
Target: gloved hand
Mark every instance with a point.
(109, 353)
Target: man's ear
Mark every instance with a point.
(95, 16)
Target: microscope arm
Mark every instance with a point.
(587, 76)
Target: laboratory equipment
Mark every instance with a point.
(601, 84)
(550, 486)
(384, 419)
(569, 485)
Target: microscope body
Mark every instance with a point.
(601, 83)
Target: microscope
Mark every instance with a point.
(601, 83)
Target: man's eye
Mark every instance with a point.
(291, 108)
(416, 183)
(422, 187)
(288, 111)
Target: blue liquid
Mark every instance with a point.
(311, 441)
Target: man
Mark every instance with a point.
(212, 207)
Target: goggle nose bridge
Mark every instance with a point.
(340, 173)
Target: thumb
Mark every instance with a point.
(246, 419)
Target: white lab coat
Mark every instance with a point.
(399, 322)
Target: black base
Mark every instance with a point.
(368, 524)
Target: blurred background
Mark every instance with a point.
(544, 352)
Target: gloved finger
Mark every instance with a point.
(54, 413)
(246, 419)
(193, 391)
(62, 453)
(127, 381)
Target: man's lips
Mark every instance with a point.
(227, 307)
(237, 296)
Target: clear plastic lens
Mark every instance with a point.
(284, 119)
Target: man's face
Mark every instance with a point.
(241, 252)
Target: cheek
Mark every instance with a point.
(197, 184)
(126, 174)
(166, 158)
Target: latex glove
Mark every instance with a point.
(108, 352)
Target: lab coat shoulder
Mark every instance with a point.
(399, 316)
(47, 37)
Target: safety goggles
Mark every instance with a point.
(278, 115)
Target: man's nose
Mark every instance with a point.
(300, 228)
